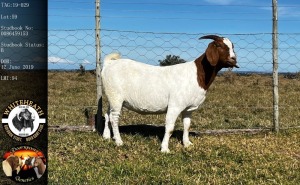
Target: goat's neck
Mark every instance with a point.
(205, 72)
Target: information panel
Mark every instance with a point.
(23, 91)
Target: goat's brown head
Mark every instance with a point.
(220, 52)
(10, 164)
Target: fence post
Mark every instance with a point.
(99, 120)
(275, 68)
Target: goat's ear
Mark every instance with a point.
(212, 54)
(7, 168)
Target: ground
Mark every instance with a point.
(233, 101)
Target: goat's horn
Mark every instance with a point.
(213, 37)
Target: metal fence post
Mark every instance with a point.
(99, 119)
(275, 68)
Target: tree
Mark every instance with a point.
(171, 60)
(81, 69)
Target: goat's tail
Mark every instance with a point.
(112, 56)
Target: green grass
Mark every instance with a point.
(85, 158)
(232, 102)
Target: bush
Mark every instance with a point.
(171, 60)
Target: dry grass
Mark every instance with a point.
(232, 102)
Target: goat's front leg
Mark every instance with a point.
(186, 119)
(171, 117)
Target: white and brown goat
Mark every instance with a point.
(172, 90)
(10, 164)
(37, 164)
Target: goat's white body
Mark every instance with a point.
(173, 89)
(151, 89)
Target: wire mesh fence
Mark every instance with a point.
(254, 50)
(238, 99)
(69, 49)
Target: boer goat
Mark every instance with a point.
(38, 164)
(11, 164)
(23, 120)
(172, 90)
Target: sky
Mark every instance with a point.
(187, 16)
(224, 17)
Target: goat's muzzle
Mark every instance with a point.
(232, 62)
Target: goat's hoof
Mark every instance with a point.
(187, 144)
(165, 150)
(106, 135)
(119, 143)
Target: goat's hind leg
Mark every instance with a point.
(114, 120)
(106, 131)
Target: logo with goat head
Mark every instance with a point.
(23, 120)
(24, 164)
